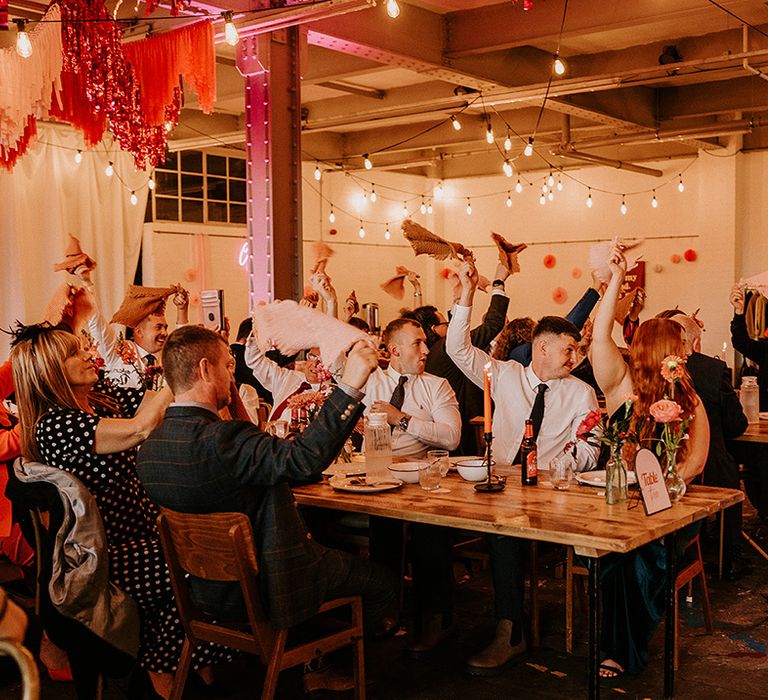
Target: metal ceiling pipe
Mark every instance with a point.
(745, 47)
(565, 151)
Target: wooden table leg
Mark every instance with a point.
(594, 628)
(669, 627)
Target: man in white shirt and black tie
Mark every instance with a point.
(556, 403)
(424, 414)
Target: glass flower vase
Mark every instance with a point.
(673, 481)
(616, 479)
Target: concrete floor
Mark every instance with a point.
(732, 663)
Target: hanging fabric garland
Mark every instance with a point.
(28, 86)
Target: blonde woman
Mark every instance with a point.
(91, 430)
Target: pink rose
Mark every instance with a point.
(666, 411)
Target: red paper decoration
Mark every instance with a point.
(559, 295)
(333, 231)
(550, 261)
(690, 255)
(675, 258)
(576, 273)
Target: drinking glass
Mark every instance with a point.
(278, 428)
(429, 476)
(441, 457)
(561, 472)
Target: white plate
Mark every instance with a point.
(763, 415)
(358, 485)
(597, 478)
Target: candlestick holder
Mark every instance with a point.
(489, 486)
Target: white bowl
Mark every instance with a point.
(407, 471)
(473, 469)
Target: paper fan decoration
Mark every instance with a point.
(600, 254)
(395, 286)
(424, 242)
(322, 252)
(140, 302)
(508, 252)
(75, 258)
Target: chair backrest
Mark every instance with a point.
(215, 547)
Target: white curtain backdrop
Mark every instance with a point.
(48, 196)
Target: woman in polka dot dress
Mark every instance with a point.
(70, 422)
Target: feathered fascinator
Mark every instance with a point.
(21, 333)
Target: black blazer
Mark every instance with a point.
(196, 463)
(469, 396)
(755, 350)
(712, 381)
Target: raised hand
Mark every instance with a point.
(361, 361)
(737, 298)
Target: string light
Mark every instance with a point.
(469, 207)
(134, 199)
(405, 210)
(507, 168)
(654, 201)
(439, 190)
(559, 184)
(387, 234)
(429, 208)
(559, 66)
(79, 156)
(332, 217)
(589, 200)
(542, 200)
(509, 199)
(544, 188)
(551, 179)
(680, 185)
(318, 172)
(489, 133)
(456, 123)
(361, 232)
(528, 150)
(393, 9)
(519, 186)
(364, 197)
(230, 30)
(151, 182)
(374, 196)
(623, 207)
(551, 196)
(508, 143)
(23, 44)
(423, 207)
(109, 171)
(367, 162)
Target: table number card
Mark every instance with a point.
(651, 481)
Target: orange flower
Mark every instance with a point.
(673, 368)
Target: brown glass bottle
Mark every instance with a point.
(529, 469)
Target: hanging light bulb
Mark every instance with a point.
(78, 156)
(364, 197)
(393, 9)
(543, 200)
(367, 162)
(109, 171)
(507, 168)
(230, 30)
(469, 207)
(134, 199)
(519, 186)
(544, 188)
(551, 196)
(23, 44)
(151, 182)
(589, 200)
(439, 190)
(456, 123)
(654, 201)
(680, 185)
(508, 143)
(318, 172)
(559, 66)
(387, 234)
(623, 207)
(361, 232)
(405, 210)
(429, 208)
(528, 150)
(551, 179)
(374, 196)
(509, 199)
(559, 185)
(489, 133)
(332, 217)
(423, 207)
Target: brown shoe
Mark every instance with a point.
(432, 633)
(328, 680)
(498, 654)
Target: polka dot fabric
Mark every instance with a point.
(65, 438)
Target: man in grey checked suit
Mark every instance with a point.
(194, 462)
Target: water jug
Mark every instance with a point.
(750, 398)
(378, 448)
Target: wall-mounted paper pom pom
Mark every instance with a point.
(690, 255)
(550, 261)
(559, 295)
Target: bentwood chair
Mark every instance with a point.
(220, 547)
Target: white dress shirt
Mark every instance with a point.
(429, 400)
(279, 381)
(513, 388)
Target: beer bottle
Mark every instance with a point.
(528, 457)
(294, 427)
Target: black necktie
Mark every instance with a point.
(537, 412)
(398, 395)
(150, 359)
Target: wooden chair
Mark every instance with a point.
(684, 577)
(220, 547)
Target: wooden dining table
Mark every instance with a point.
(755, 432)
(578, 517)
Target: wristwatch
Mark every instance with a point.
(497, 283)
(403, 424)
